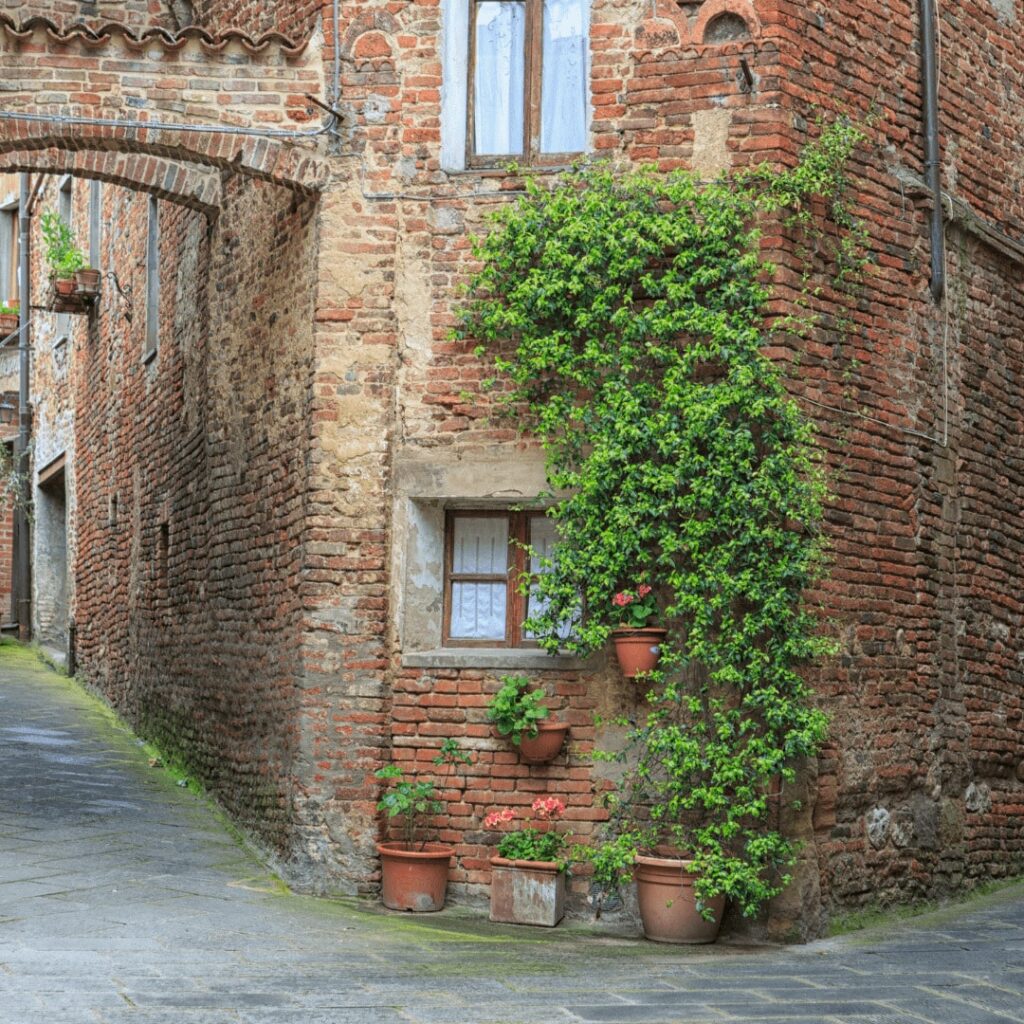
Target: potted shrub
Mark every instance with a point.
(65, 259)
(414, 872)
(519, 712)
(668, 897)
(637, 644)
(528, 875)
(8, 319)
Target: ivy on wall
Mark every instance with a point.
(627, 315)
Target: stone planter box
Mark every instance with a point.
(527, 892)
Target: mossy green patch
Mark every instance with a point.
(927, 914)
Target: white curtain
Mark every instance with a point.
(480, 545)
(498, 84)
(563, 92)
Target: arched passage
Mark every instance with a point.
(196, 187)
(281, 163)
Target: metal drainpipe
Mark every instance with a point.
(22, 582)
(930, 84)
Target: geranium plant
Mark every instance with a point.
(627, 315)
(531, 842)
(635, 608)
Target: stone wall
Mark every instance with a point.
(191, 467)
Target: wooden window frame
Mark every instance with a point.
(533, 48)
(517, 565)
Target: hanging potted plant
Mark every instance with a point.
(519, 712)
(87, 282)
(528, 875)
(65, 259)
(8, 319)
(414, 872)
(637, 643)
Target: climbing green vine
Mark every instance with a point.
(627, 315)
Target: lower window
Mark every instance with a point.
(484, 562)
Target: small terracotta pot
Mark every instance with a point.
(527, 892)
(668, 907)
(638, 650)
(87, 281)
(414, 879)
(8, 324)
(64, 286)
(545, 745)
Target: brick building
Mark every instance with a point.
(248, 455)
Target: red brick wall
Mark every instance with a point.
(295, 18)
(924, 697)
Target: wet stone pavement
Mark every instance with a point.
(124, 900)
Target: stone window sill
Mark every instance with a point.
(495, 657)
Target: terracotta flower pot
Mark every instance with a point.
(668, 907)
(527, 892)
(545, 745)
(638, 650)
(64, 286)
(414, 879)
(87, 281)
(8, 324)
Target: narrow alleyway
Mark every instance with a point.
(124, 899)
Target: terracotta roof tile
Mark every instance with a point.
(101, 34)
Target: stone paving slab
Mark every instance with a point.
(124, 900)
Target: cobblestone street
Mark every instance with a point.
(124, 899)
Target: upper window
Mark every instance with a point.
(528, 78)
(516, 81)
(483, 565)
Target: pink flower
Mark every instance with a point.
(496, 818)
(623, 598)
(548, 807)
(643, 590)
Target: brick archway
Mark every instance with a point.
(188, 185)
(158, 159)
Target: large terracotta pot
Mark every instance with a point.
(545, 745)
(638, 650)
(8, 324)
(527, 892)
(668, 908)
(414, 879)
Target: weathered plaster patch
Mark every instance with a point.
(711, 142)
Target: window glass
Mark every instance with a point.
(543, 537)
(498, 87)
(9, 256)
(480, 545)
(563, 115)
(478, 611)
(152, 279)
